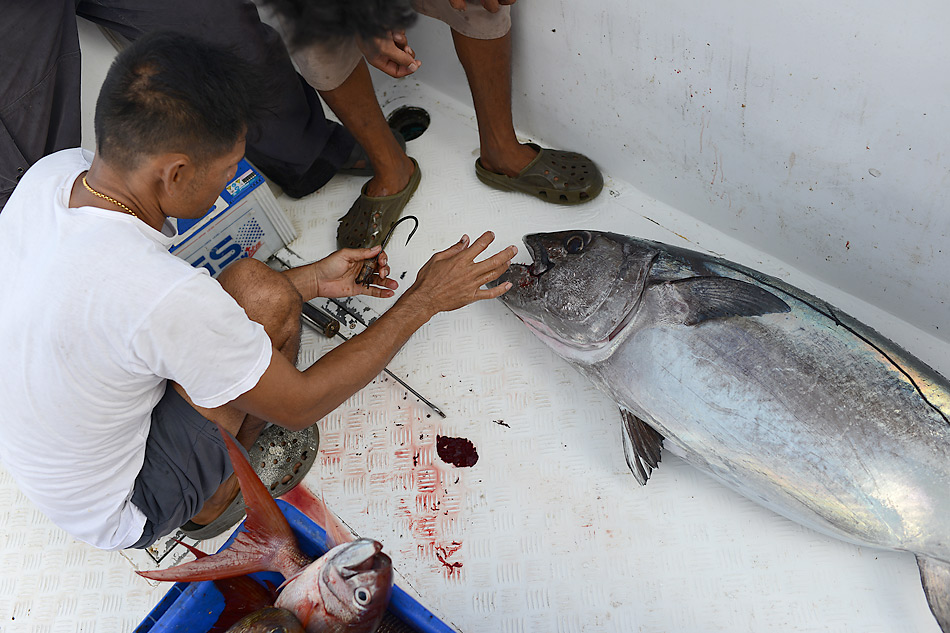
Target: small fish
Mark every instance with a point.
(346, 589)
(774, 392)
(268, 620)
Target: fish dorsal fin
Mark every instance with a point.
(267, 544)
(935, 577)
(641, 446)
(720, 297)
(337, 534)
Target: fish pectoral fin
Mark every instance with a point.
(720, 297)
(641, 446)
(935, 577)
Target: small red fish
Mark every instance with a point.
(347, 588)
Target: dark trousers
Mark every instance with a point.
(40, 77)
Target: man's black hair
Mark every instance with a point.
(320, 21)
(169, 92)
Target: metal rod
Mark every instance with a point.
(312, 323)
(316, 324)
(324, 322)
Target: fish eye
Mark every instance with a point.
(574, 244)
(362, 596)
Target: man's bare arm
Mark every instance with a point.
(451, 279)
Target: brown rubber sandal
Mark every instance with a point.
(370, 220)
(553, 176)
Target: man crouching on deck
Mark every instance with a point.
(117, 356)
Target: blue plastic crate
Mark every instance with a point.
(194, 607)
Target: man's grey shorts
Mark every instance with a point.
(186, 460)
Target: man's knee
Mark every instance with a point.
(266, 295)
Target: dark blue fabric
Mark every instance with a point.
(186, 460)
(40, 83)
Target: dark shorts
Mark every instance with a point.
(186, 460)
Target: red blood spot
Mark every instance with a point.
(443, 553)
(305, 501)
(457, 451)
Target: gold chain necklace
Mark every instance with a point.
(105, 197)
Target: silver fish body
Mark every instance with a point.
(772, 391)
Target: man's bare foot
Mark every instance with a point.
(390, 179)
(508, 161)
(218, 502)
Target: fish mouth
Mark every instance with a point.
(363, 555)
(526, 275)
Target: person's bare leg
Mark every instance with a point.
(487, 65)
(271, 300)
(354, 102)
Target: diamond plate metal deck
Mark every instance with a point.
(548, 532)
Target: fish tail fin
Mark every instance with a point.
(267, 544)
(935, 577)
(191, 548)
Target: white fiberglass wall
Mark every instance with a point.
(816, 132)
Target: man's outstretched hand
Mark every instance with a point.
(452, 278)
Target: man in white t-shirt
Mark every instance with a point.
(118, 357)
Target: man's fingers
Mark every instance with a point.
(500, 260)
(492, 6)
(382, 293)
(478, 246)
(359, 254)
(492, 293)
(458, 5)
(452, 250)
(398, 54)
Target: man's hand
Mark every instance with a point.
(492, 6)
(335, 275)
(449, 280)
(391, 54)
(452, 278)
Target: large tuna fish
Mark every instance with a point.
(346, 589)
(777, 394)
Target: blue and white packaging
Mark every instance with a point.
(245, 221)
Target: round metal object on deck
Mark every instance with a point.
(410, 121)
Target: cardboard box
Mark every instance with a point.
(245, 221)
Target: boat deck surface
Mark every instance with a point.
(548, 531)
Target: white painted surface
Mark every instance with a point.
(555, 534)
(813, 131)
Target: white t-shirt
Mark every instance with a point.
(95, 315)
